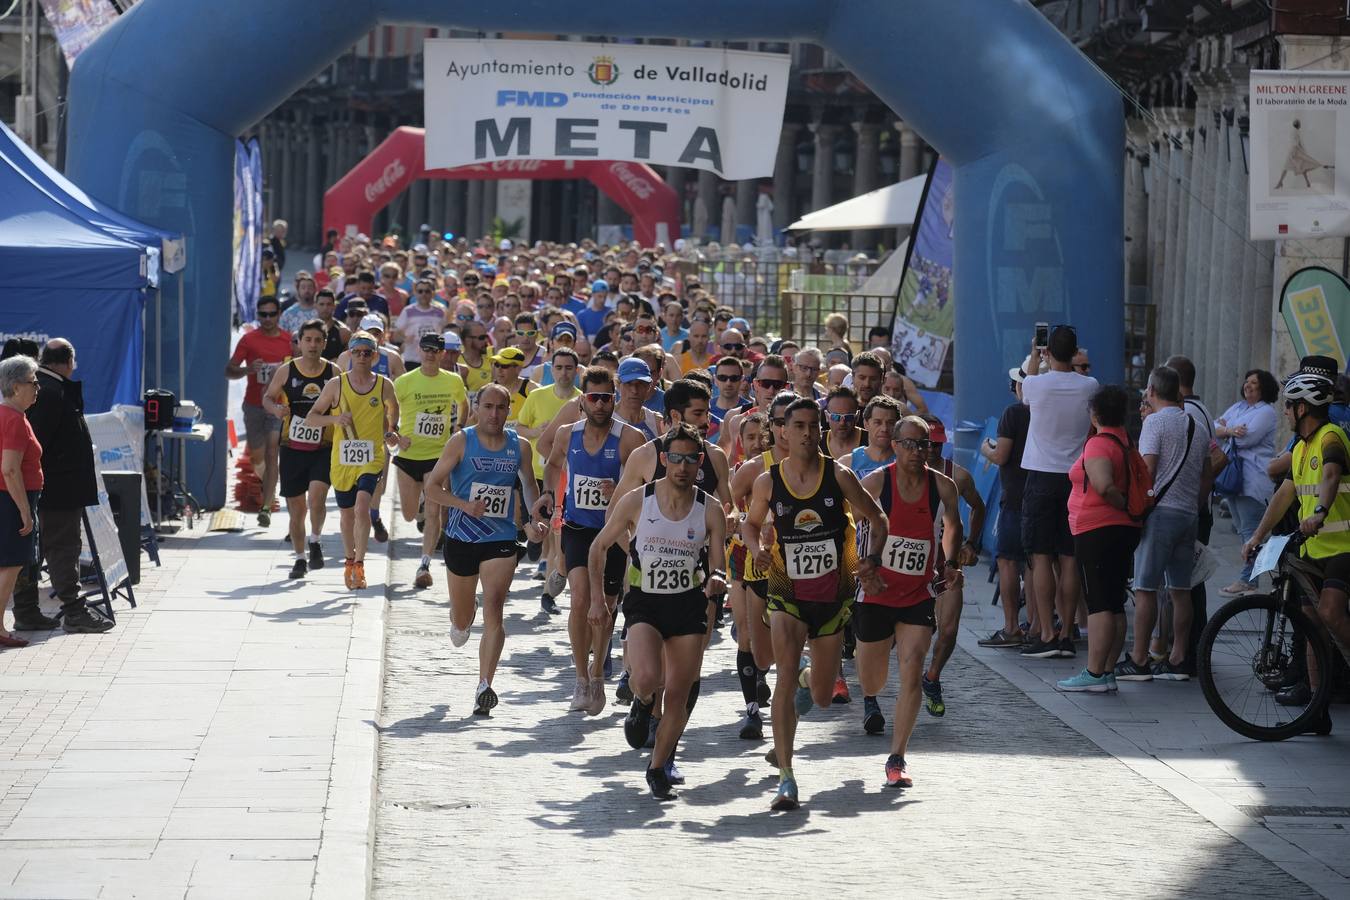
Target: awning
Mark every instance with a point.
(893, 206)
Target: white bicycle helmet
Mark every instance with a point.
(1315, 390)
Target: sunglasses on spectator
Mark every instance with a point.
(600, 398)
(733, 348)
(267, 315)
(914, 444)
(424, 290)
(847, 418)
(464, 317)
(729, 379)
(772, 384)
(676, 458)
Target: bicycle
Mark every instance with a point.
(1259, 644)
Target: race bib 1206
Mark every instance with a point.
(300, 433)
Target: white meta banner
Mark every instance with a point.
(1300, 154)
(719, 110)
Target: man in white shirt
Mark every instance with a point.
(1058, 400)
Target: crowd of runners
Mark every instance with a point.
(586, 412)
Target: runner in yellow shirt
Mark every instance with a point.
(432, 405)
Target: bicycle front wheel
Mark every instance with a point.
(1249, 645)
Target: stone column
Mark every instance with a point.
(707, 206)
(436, 204)
(784, 176)
(747, 192)
(866, 172)
(1234, 213)
(1178, 215)
(1208, 275)
(456, 207)
(489, 208)
(822, 169)
(417, 210)
(911, 151)
(473, 210)
(313, 186)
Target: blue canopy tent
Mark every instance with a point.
(66, 277)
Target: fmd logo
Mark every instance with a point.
(531, 98)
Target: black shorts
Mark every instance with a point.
(873, 622)
(576, 548)
(1009, 536)
(1045, 515)
(417, 469)
(672, 615)
(369, 482)
(299, 468)
(464, 558)
(821, 619)
(17, 549)
(1105, 557)
(1335, 571)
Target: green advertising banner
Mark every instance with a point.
(1315, 303)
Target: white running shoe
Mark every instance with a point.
(581, 696)
(595, 704)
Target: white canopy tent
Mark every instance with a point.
(893, 206)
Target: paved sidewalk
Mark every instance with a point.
(1009, 800)
(189, 752)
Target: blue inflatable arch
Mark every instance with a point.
(1034, 132)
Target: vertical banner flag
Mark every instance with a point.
(718, 110)
(924, 312)
(1315, 303)
(76, 23)
(247, 229)
(1299, 179)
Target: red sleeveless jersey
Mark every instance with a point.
(909, 560)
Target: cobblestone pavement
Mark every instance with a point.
(1008, 802)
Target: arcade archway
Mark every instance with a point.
(400, 159)
(1033, 129)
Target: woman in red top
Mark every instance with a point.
(21, 465)
(1104, 537)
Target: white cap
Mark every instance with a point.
(372, 322)
(505, 244)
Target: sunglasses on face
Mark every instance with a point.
(649, 329)
(729, 379)
(733, 348)
(464, 317)
(676, 458)
(531, 333)
(771, 384)
(599, 398)
(267, 315)
(423, 291)
(914, 444)
(847, 418)
(363, 353)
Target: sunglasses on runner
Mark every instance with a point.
(847, 418)
(914, 444)
(464, 317)
(363, 353)
(676, 458)
(600, 398)
(266, 315)
(520, 333)
(733, 348)
(424, 290)
(730, 379)
(772, 384)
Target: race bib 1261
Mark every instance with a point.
(496, 499)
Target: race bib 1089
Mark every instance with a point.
(429, 425)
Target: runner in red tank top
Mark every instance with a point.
(913, 498)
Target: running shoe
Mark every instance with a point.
(485, 701)
(771, 757)
(1067, 650)
(897, 773)
(378, 531)
(1163, 670)
(1111, 684)
(264, 518)
(608, 668)
(1002, 638)
(1084, 682)
(1039, 649)
(556, 584)
(802, 701)
(596, 703)
(659, 784)
(762, 691)
(423, 579)
(752, 727)
(622, 692)
(547, 605)
(637, 723)
(650, 743)
(932, 698)
(315, 555)
(359, 574)
(1128, 670)
(299, 568)
(1295, 695)
(786, 797)
(541, 572)
(580, 695)
(840, 691)
(873, 721)
(348, 569)
(673, 775)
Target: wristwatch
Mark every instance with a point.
(953, 564)
(874, 559)
(1320, 510)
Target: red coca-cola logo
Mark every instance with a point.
(392, 173)
(641, 187)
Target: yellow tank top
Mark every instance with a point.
(358, 450)
(476, 378)
(1334, 538)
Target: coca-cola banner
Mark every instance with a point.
(719, 110)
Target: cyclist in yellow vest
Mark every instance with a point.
(1321, 483)
(366, 419)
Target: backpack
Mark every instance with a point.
(1138, 480)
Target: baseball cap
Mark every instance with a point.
(431, 341)
(510, 356)
(564, 328)
(937, 433)
(740, 324)
(452, 341)
(372, 322)
(634, 369)
(505, 244)
(599, 285)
